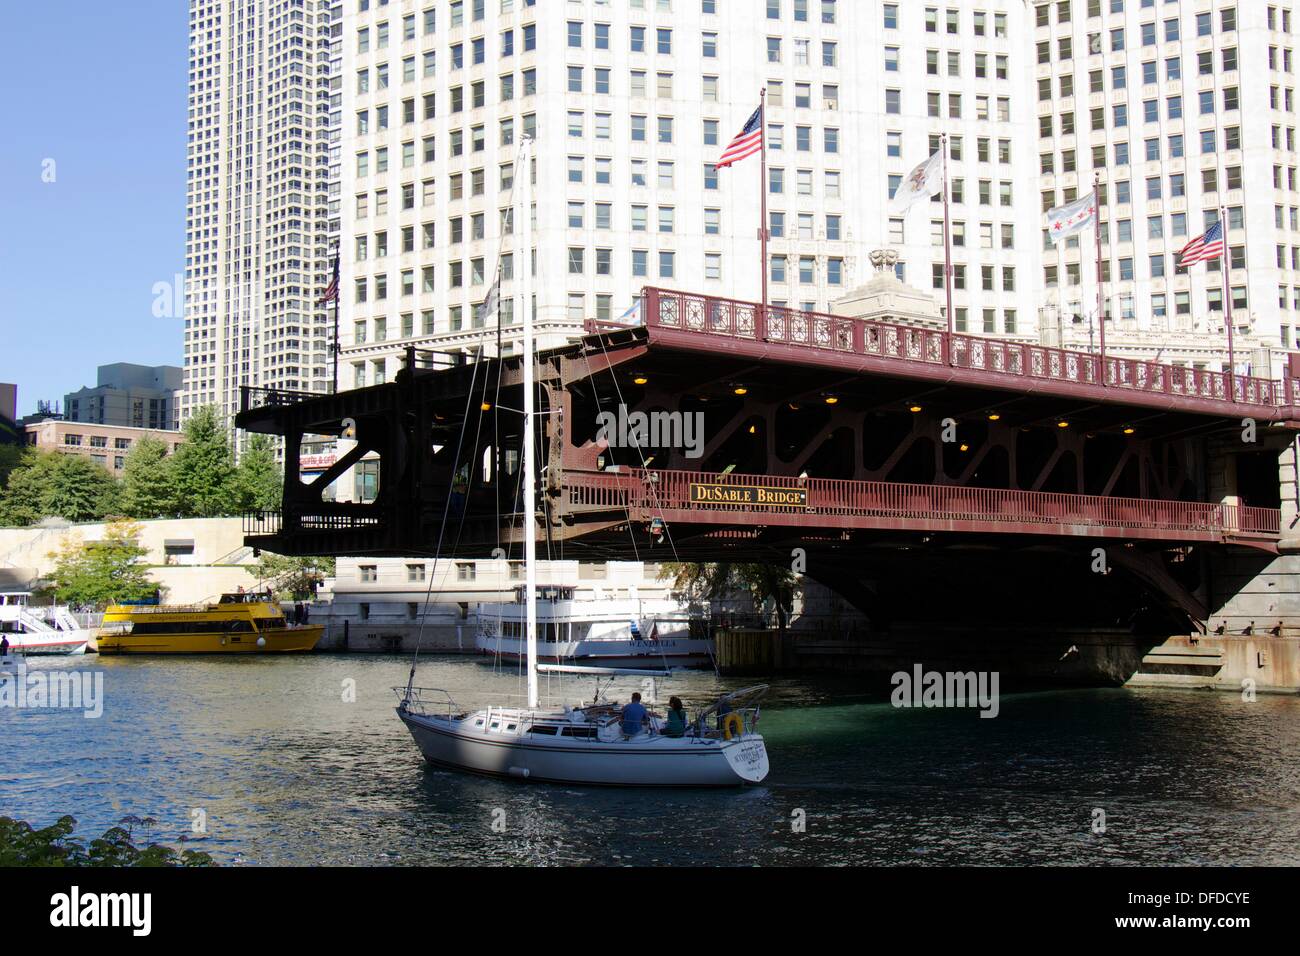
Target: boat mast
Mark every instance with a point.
(525, 178)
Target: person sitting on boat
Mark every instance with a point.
(676, 724)
(634, 715)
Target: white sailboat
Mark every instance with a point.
(590, 744)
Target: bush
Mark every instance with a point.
(21, 845)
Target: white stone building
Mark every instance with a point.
(631, 101)
(1182, 107)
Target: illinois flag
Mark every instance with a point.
(921, 183)
(1065, 221)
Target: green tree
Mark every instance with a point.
(55, 845)
(296, 577)
(761, 581)
(147, 481)
(257, 480)
(10, 457)
(49, 484)
(203, 467)
(103, 572)
(82, 490)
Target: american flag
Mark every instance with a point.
(331, 293)
(1203, 248)
(749, 142)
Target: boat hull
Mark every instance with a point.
(670, 652)
(55, 643)
(645, 761)
(286, 640)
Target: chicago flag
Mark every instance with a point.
(1065, 221)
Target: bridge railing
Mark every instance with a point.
(253, 396)
(735, 319)
(651, 492)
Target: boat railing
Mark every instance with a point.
(427, 701)
(713, 725)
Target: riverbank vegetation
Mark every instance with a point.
(21, 844)
(201, 480)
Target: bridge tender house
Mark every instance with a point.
(749, 495)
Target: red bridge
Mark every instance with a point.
(856, 441)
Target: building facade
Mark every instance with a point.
(1180, 108)
(631, 103)
(256, 245)
(106, 445)
(133, 396)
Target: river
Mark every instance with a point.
(280, 765)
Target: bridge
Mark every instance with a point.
(721, 429)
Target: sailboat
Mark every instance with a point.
(587, 744)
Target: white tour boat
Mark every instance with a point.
(607, 633)
(32, 630)
(590, 744)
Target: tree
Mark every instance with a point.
(103, 572)
(10, 457)
(53, 484)
(147, 481)
(203, 467)
(703, 582)
(257, 481)
(82, 490)
(55, 845)
(297, 577)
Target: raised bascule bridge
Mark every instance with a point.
(941, 483)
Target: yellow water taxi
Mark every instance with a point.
(237, 624)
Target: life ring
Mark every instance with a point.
(730, 721)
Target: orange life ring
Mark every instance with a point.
(730, 721)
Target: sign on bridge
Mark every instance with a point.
(702, 494)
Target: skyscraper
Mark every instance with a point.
(256, 252)
(631, 104)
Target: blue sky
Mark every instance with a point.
(99, 88)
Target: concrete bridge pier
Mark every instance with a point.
(1252, 627)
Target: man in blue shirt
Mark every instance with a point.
(634, 715)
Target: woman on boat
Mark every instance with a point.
(676, 725)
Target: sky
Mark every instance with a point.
(100, 90)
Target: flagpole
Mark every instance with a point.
(337, 297)
(1101, 297)
(947, 244)
(762, 226)
(1227, 304)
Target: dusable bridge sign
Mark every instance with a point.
(704, 494)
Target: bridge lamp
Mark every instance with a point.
(832, 400)
(1129, 429)
(965, 447)
(753, 429)
(640, 380)
(915, 409)
(485, 407)
(1062, 424)
(741, 390)
(994, 417)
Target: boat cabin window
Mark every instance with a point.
(479, 722)
(511, 726)
(543, 729)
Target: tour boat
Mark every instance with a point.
(623, 633)
(35, 630)
(236, 624)
(585, 744)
